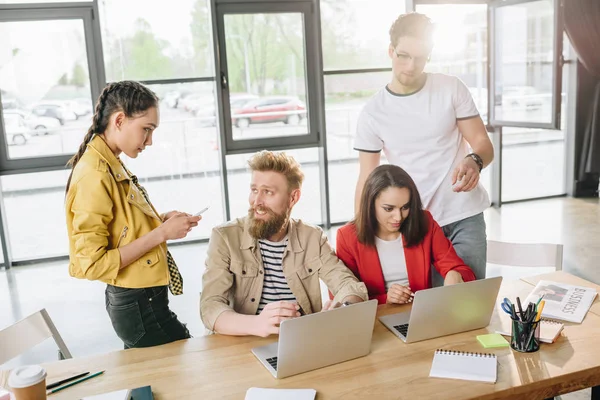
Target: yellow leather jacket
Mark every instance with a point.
(104, 212)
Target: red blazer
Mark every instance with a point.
(435, 249)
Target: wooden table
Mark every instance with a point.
(221, 367)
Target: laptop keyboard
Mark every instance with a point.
(273, 362)
(403, 329)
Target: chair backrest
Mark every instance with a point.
(525, 254)
(27, 333)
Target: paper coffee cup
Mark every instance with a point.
(28, 382)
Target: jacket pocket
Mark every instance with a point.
(244, 277)
(242, 270)
(310, 269)
(149, 259)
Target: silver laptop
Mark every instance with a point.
(320, 339)
(446, 310)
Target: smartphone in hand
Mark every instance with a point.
(199, 213)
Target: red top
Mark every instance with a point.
(435, 249)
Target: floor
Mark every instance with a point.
(77, 306)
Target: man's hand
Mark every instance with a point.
(398, 294)
(465, 176)
(330, 305)
(452, 278)
(267, 322)
(352, 299)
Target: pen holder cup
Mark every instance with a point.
(525, 336)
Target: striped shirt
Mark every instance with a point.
(275, 286)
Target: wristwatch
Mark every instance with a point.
(475, 157)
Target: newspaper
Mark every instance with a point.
(563, 302)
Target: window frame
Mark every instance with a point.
(88, 14)
(313, 81)
(557, 65)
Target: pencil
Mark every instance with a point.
(540, 309)
(74, 383)
(56, 384)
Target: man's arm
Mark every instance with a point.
(338, 278)
(474, 132)
(467, 171)
(367, 161)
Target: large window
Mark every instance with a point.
(534, 159)
(34, 205)
(266, 66)
(45, 85)
(181, 169)
(145, 40)
(525, 69)
(345, 96)
(255, 85)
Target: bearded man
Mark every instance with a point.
(265, 268)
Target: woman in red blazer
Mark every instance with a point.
(391, 222)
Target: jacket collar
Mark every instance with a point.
(249, 242)
(99, 146)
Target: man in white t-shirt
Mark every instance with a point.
(425, 123)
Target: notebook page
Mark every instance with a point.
(467, 366)
(280, 394)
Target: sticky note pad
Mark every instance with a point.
(492, 340)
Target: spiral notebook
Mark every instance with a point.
(549, 329)
(452, 364)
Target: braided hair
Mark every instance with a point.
(132, 98)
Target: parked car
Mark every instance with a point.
(10, 103)
(81, 106)
(287, 109)
(61, 113)
(206, 111)
(520, 97)
(37, 125)
(16, 129)
(239, 100)
(193, 102)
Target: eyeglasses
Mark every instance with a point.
(405, 58)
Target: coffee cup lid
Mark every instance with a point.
(29, 375)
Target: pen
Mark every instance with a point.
(56, 384)
(520, 308)
(85, 378)
(540, 299)
(529, 338)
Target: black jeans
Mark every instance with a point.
(142, 318)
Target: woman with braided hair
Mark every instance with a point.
(115, 234)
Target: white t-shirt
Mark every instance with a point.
(393, 263)
(418, 132)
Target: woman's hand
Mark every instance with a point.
(452, 278)
(398, 294)
(178, 225)
(167, 216)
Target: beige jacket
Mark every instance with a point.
(233, 279)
